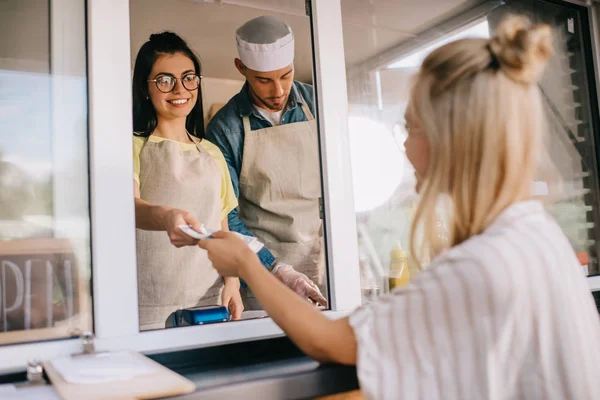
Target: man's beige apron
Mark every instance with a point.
(171, 278)
(280, 188)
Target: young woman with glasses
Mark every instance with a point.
(179, 179)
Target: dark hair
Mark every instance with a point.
(144, 115)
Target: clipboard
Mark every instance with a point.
(160, 382)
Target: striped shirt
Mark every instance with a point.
(506, 314)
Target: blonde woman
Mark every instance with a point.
(503, 312)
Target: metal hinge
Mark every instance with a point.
(35, 372)
(307, 7)
(571, 25)
(87, 342)
(321, 209)
(35, 367)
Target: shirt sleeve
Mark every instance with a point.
(138, 143)
(228, 199)
(426, 340)
(216, 136)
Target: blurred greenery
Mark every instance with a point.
(21, 194)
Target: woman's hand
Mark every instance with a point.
(174, 217)
(314, 333)
(228, 253)
(231, 297)
(151, 217)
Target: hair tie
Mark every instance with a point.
(494, 62)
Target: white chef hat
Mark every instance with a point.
(265, 44)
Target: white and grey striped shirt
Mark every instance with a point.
(505, 315)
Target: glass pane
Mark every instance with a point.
(566, 89)
(44, 204)
(267, 174)
(383, 53)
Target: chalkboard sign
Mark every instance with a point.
(39, 284)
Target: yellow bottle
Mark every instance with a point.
(399, 272)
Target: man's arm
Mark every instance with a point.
(236, 225)
(234, 164)
(231, 146)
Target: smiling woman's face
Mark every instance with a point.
(179, 102)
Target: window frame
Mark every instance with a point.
(111, 187)
(478, 13)
(593, 11)
(115, 301)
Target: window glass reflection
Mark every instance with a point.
(253, 153)
(44, 205)
(379, 77)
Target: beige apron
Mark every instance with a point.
(171, 278)
(280, 189)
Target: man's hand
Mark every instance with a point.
(299, 283)
(231, 297)
(171, 221)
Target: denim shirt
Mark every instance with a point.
(226, 130)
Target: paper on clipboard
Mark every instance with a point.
(119, 375)
(102, 367)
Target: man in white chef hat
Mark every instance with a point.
(268, 135)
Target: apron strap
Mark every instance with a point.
(305, 108)
(247, 127)
(307, 112)
(196, 142)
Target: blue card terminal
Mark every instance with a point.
(197, 316)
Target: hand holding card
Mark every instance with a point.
(252, 242)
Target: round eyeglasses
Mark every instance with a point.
(166, 83)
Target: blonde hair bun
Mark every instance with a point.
(522, 49)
